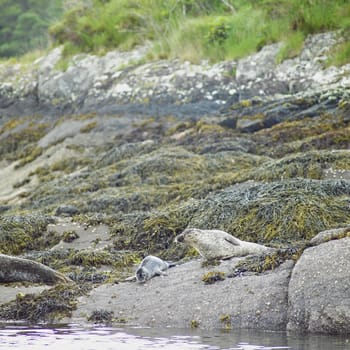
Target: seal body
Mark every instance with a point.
(15, 269)
(151, 266)
(217, 244)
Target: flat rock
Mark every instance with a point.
(182, 299)
(319, 298)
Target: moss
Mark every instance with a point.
(213, 276)
(49, 306)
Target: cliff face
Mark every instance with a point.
(109, 160)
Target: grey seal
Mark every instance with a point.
(151, 266)
(217, 244)
(15, 269)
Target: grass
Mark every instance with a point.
(197, 29)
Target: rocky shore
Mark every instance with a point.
(108, 160)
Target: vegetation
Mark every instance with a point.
(189, 29)
(195, 29)
(53, 304)
(26, 232)
(24, 24)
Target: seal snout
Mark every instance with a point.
(182, 236)
(179, 239)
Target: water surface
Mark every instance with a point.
(111, 338)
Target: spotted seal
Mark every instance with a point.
(217, 244)
(151, 266)
(15, 269)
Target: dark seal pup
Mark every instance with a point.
(151, 266)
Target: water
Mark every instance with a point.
(92, 338)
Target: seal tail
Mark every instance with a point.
(172, 264)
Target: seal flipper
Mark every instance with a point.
(232, 240)
(159, 272)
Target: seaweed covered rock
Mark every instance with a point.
(257, 114)
(283, 211)
(48, 306)
(19, 233)
(310, 164)
(319, 300)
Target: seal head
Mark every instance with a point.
(151, 266)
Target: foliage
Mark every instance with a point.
(24, 24)
(194, 29)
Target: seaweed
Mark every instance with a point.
(101, 316)
(19, 233)
(49, 306)
(288, 210)
(213, 276)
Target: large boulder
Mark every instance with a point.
(319, 298)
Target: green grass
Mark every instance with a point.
(197, 29)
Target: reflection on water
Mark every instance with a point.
(76, 338)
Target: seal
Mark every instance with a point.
(151, 266)
(15, 269)
(217, 244)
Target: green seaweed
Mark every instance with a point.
(49, 306)
(283, 210)
(20, 233)
(69, 236)
(213, 276)
(265, 262)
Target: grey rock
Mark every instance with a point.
(68, 128)
(319, 299)
(258, 114)
(259, 64)
(182, 297)
(66, 210)
(118, 83)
